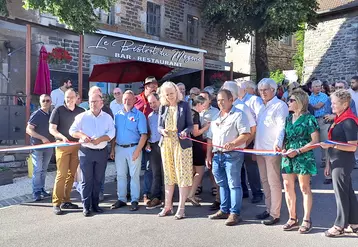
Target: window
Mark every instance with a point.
(153, 19)
(111, 16)
(287, 40)
(193, 30)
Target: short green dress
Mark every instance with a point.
(297, 135)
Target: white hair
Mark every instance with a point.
(232, 87)
(241, 83)
(93, 89)
(316, 83)
(269, 82)
(250, 84)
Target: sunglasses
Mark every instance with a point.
(292, 100)
(46, 101)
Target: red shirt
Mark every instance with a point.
(142, 104)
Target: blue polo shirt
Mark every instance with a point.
(319, 98)
(130, 126)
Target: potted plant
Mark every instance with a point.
(217, 79)
(6, 176)
(59, 56)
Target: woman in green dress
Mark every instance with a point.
(301, 131)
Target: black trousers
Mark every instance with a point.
(93, 164)
(347, 204)
(155, 161)
(250, 167)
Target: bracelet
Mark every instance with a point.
(298, 151)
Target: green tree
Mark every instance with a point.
(263, 19)
(79, 15)
(277, 76)
(298, 58)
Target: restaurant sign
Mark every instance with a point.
(127, 49)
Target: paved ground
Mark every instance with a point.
(33, 224)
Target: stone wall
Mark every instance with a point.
(72, 46)
(131, 18)
(331, 50)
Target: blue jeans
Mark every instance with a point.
(124, 164)
(40, 160)
(227, 174)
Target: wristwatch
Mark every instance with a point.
(298, 151)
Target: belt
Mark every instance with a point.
(95, 149)
(220, 152)
(128, 146)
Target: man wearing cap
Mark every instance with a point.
(142, 104)
(150, 86)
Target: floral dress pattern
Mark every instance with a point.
(297, 135)
(177, 162)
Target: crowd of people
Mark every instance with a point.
(173, 136)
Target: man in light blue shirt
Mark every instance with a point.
(131, 136)
(155, 159)
(318, 101)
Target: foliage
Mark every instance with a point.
(277, 76)
(298, 58)
(3, 169)
(78, 15)
(264, 19)
(59, 56)
(3, 8)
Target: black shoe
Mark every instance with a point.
(134, 206)
(245, 194)
(86, 212)
(69, 205)
(118, 204)
(37, 197)
(97, 209)
(215, 206)
(327, 181)
(44, 193)
(57, 210)
(263, 216)
(270, 221)
(256, 199)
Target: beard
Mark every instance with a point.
(355, 88)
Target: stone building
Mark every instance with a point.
(331, 50)
(174, 24)
(279, 53)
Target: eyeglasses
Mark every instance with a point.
(46, 101)
(292, 100)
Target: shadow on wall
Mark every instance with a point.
(331, 50)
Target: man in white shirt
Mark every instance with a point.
(252, 171)
(116, 104)
(252, 101)
(354, 93)
(269, 136)
(95, 129)
(58, 95)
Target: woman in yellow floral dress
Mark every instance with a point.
(175, 124)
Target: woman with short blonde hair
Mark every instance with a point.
(343, 130)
